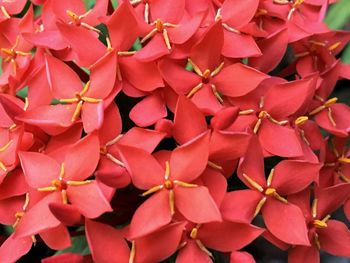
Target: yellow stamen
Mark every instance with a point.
(126, 53)
(146, 13)
(273, 192)
(246, 112)
(183, 184)
(194, 90)
(109, 45)
(4, 11)
(3, 167)
(69, 101)
(72, 15)
(115, 160)
(26, 202)
(330, 117)
(149, 35)
(301, 120)
(343, 177)
(78, 183)
(203, 248)
(152, 190)
(269, 179)
(216, 93)
(172, 202)
(314, 208)
(260, 12)
(253, 183)
(13, 126)
(132, 252)
(321, 223)
(334, 46)
(230, 29)
(166, 39)
(302, 54)
(214, 166)
(64, 197)
(344, 160)
(77, 111)
(257, 126)
(195, 67)
(26, 104)
(115, 140)
(317, 241)
(330, 102)
(87, 26)
(167, 170)
(259, 206)
(91, 100)
(281, 2)
(217, 70)
(317, 43)
(47, 189)
(6, 146)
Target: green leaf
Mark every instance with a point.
(114, 3)
(0, 66)
(79, 246)
(137, 45)
(89, 4)
(346, 55)
(8, 229)
(22, 93)
(338, 15)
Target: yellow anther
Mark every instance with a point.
(334, 46)
(72, 15)
(297, 3)
(109, 45)
(206, 73)
(330, 101)
(344, 160)
(270, 191)
(253, 183)
(273, 192)
(77, 111)
(168, 184)
(260, 12)
(320, 224)
(301, 120)
(194, 233)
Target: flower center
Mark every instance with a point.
(168, 184)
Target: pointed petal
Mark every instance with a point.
(279, 218)
(186, 112)
(304, 254)
(148, 111)
(155, 49)
(106, 243)
(196, 204)
(228, 236)
(237, 13)
(67, 214)
(39, 169)
(151, 215)
(169, 11)
(241, 257)
(287, 181)
(188, 161)
(14, 248)
(239, 46)
(238, 80)
(63, 81)
(57, 237)
(88, 199)
(279, 140)
(82, 158)
(240, 205)
(159, 245)
(206, 54)
(335, 238)
(144, 169)
(112, 124)
(192, 253)
(92, 116)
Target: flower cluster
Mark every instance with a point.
(150, 128)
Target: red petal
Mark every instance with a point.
(154, 49)
(67, 214)
(287, 181)
(148, 111)
(279, 218)
(159, 245)
(57, 237)
(92, 116)
(279, 140)
(151, 215)
(228, 236)
(240, 205)
(186, 112)
(237, 13)
(39, 217)
(192, 253)
(39, 169)
(196, 204)
(188, 161)
(304, 254)
(241, 257)
(144, 169)
(88, 199)
(239, 46)
(170, 11)
(63, 81)
(112, 124)
(14, 248)
(106, 242)
(207, 53)
(335, 238)
(238, 80)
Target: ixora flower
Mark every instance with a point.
(147, 131)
